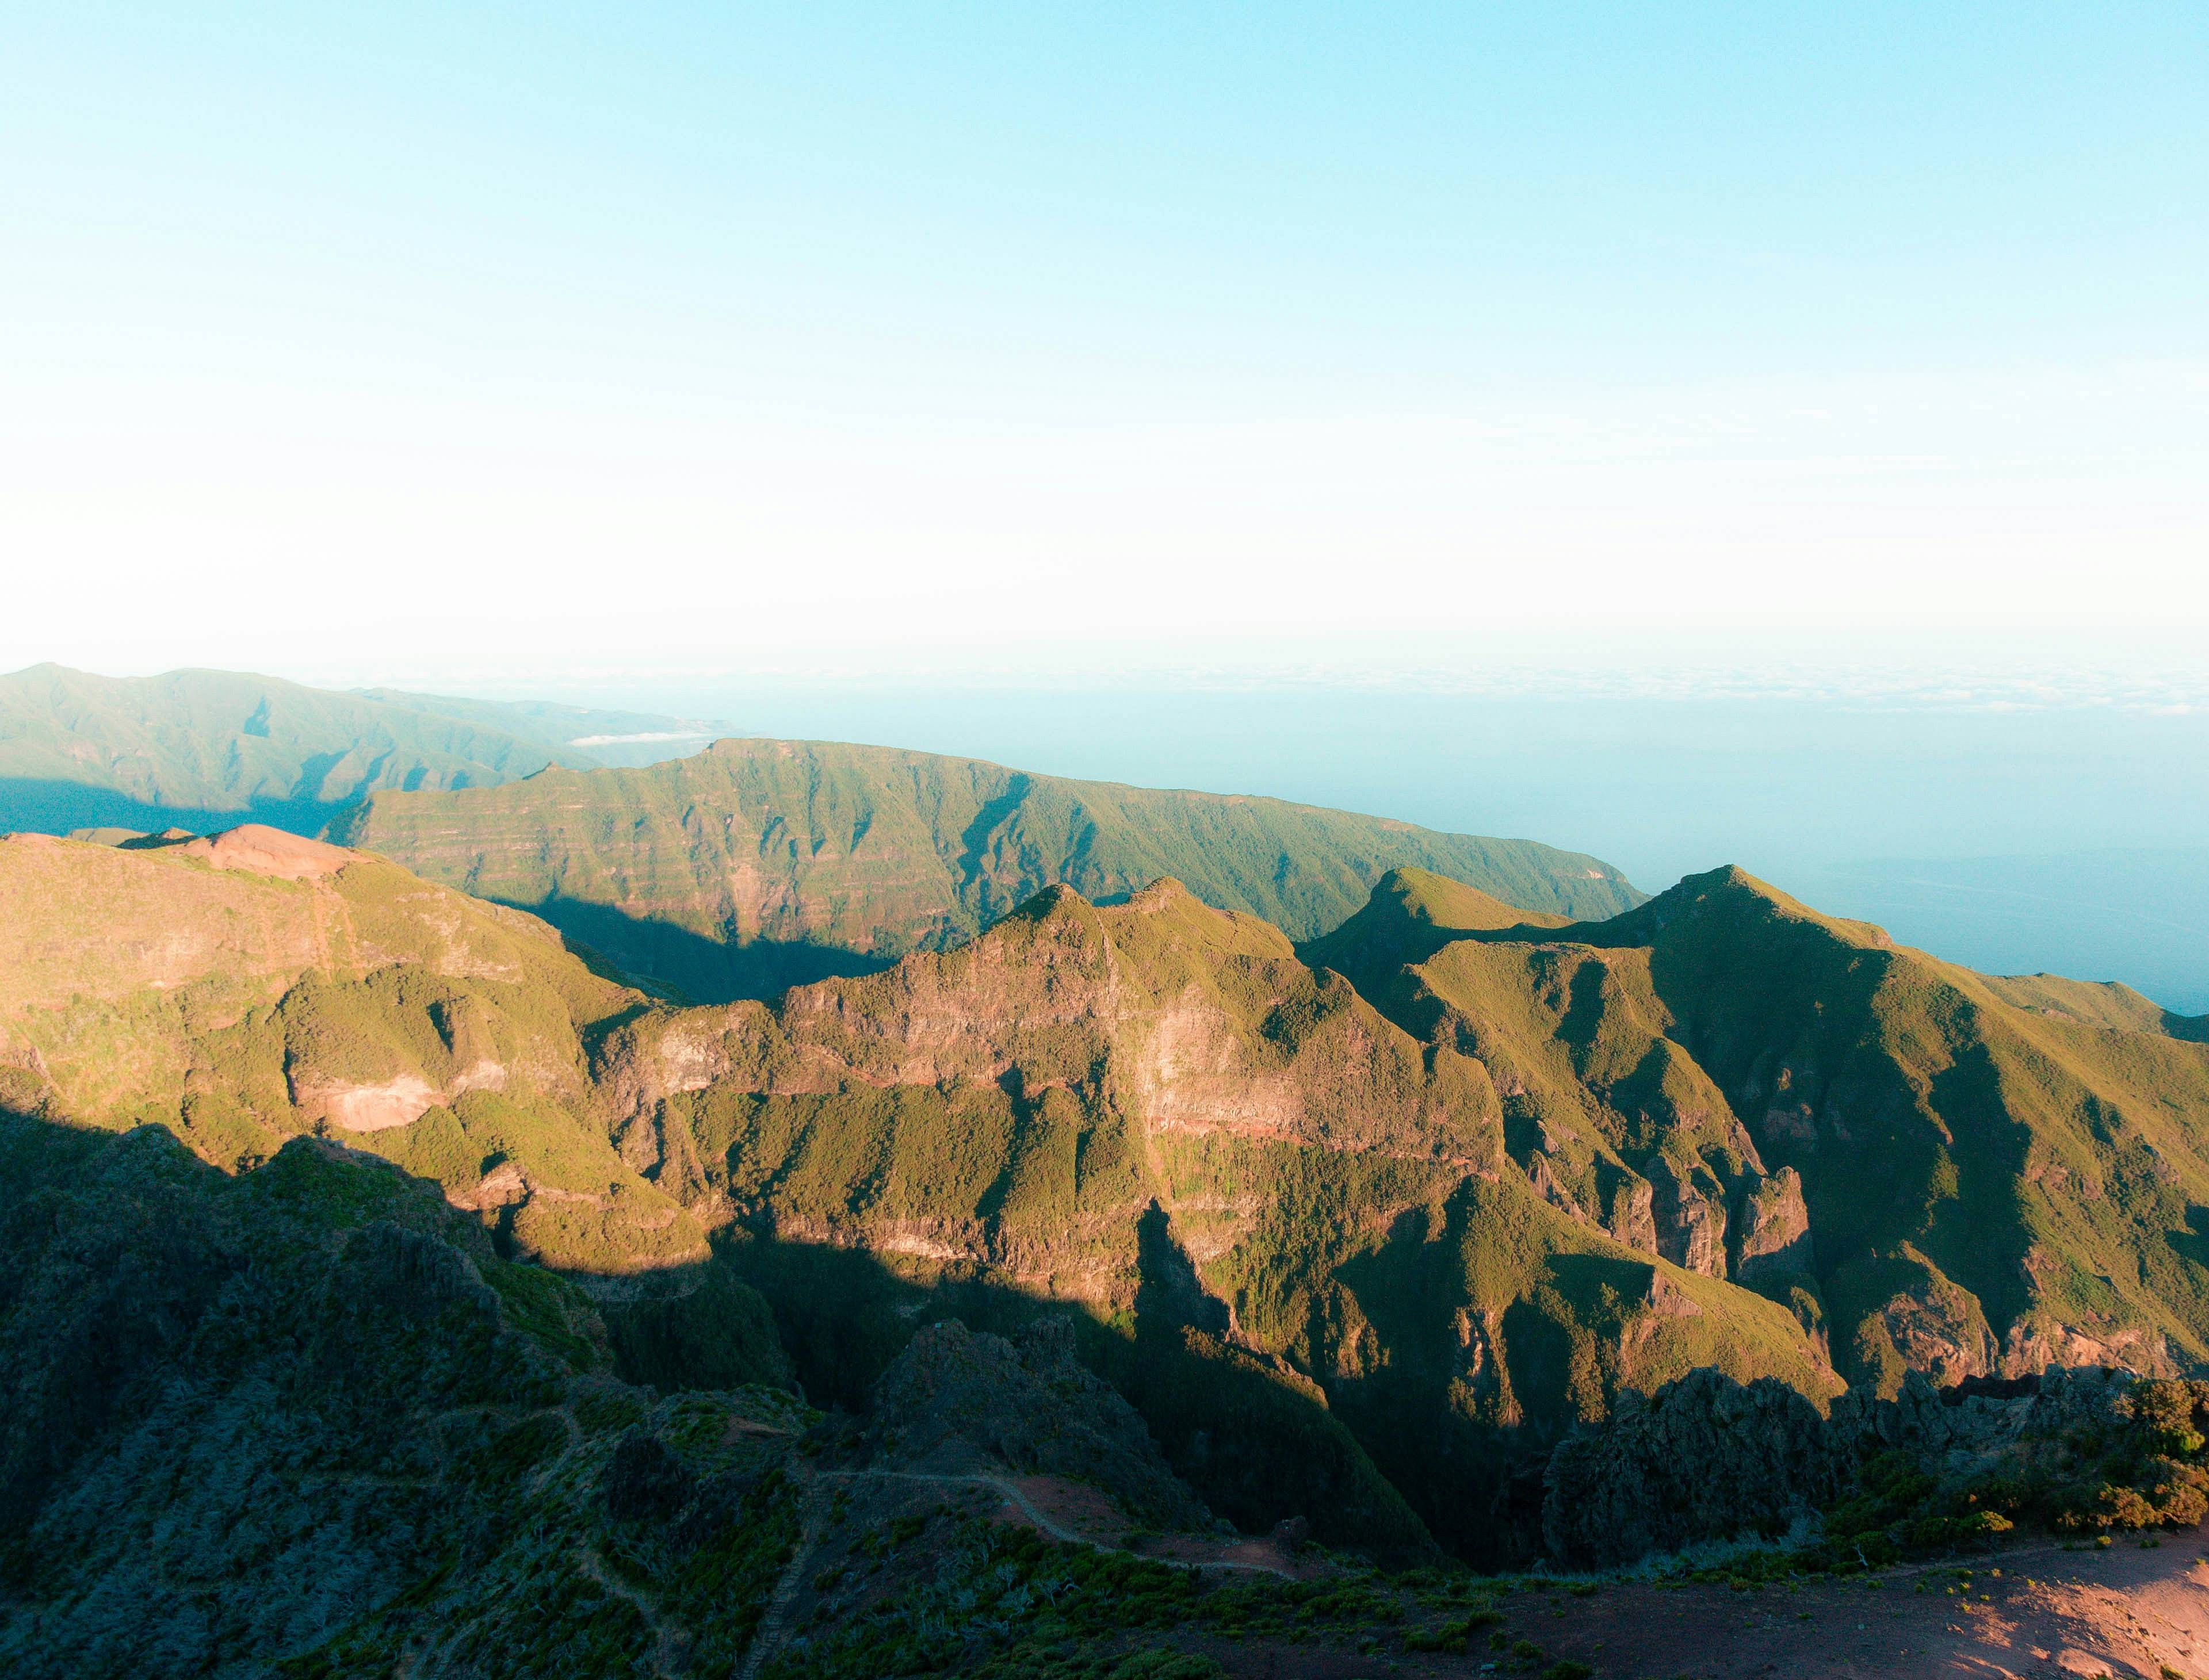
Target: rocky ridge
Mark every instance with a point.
(1395, 1232)
(761, 864)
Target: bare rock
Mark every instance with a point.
(1690, 1217)
(1633, 1220)
(1703, 1459)
(1775, 1234)
(1546, 1185)
(1937, 1329)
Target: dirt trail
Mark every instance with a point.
(669, 1649)
(814, 1523)
(2126, 1612)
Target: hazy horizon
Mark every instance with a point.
(1690, 438)
(2014, 817)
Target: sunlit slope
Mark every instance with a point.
(258, 986)
(1294, 1225)
(1155, 1109)
(1410, 914)
(762, 863)
(1995, 1174)
(208, 749)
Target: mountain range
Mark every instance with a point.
(755, 865)
(1250, 1162)
(209, 749)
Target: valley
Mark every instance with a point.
(1453, 1231)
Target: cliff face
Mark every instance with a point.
(1420, 1226)
(1154, 1107)
(1936, 1171)
(761, 864)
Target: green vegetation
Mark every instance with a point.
(1004, 1602)
(280, 1416)
(759, 864)
(1375, 1291)
(1362, 1242)
(1935, 1170)
(1988, 1186)
(209, 749)
(1412, 914)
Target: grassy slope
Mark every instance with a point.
(759, 863)
(1152, 1108)
(146, 986)
(1410, 914)
(1262, 1185)
(193, 746)
(1155, 1109)
(1999, 1173)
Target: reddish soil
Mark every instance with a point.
(267, 851)
(2125, 1610)
(2038, 1611)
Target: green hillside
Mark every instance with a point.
(1292, 1229)
(1412, 914)
(1362, 1241)
(204, 750)
(759, 864)
(246, 990)
(571, 734)
(1953, 1172)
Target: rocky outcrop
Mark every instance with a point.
(1702, 1459)
(1690, 1215)
(2037, 1341)
(1543, 1178)
(1936, 1327)
(1633, 1216)
(1774, 1233)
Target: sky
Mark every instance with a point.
(506, 342)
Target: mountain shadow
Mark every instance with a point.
(30, 805)
(697, 969)
(1255, 1441)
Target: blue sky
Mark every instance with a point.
(924, 323)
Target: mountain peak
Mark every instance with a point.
(1422, 895)
(1728, 895)
(261, 850)
(1410, 914)
(1165, 893)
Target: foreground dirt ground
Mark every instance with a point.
(2031, 1613)
(2035, 1611)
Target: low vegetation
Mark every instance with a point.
(760, 864)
